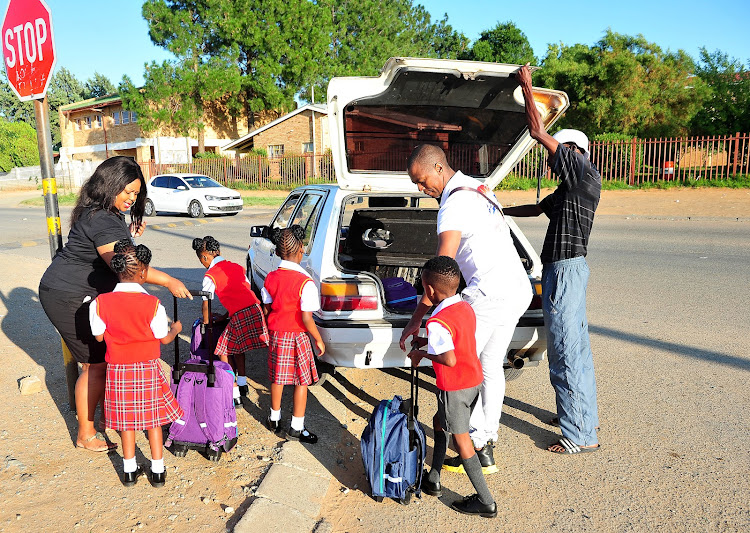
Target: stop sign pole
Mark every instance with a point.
(29, 57)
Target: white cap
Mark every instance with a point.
(573, 136)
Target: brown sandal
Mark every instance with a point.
(106, 447)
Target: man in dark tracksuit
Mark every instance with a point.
(565, 274)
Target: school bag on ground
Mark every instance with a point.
(393, 447)
(203, 389)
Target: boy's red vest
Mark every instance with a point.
(285, 287)
(128, 317)
(232, 287)
(461, 322)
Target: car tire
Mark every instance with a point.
(148, 208)
(512, 373)
(195, 209)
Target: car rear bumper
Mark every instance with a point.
(375, 344)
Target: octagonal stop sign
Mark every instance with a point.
(28, 47)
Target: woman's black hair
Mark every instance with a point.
(287, 240)
(108, 180)
(206, 244)
(129, 258)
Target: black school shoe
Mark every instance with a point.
(273, 425)
(244, 390)
(157, 480)
(486, 458)
(131, 478)
(472, 505)
(428, 487)
(302, 436)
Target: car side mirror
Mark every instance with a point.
(258, 231)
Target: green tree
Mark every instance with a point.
(176, 94)
(99, 85)
(727, 108)
(624, 84)
(505, 43)
(18, 145)
(64, 88)
(11, 108)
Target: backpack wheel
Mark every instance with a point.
(406, 500)
(179, 450)
(212, 455)
(378, 499)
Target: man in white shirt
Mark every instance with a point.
(472, 229)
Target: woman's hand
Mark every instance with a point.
(178, 289)
(136, 230)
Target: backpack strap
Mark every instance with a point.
(480, 193)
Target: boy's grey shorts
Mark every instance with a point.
(455, 407)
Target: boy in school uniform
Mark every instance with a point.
(451, 346)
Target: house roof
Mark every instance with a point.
(92, 103)
(246, 141)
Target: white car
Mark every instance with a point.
(194, 194)
(375, 224)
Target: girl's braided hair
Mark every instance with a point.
(287, 240)
(206, 244)
(129, 258)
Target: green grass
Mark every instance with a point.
(262, 201)
(62, 199)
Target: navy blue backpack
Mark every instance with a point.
(393, 447)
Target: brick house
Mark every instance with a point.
(303, 131)
(95, 129)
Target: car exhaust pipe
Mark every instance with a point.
(515, 361)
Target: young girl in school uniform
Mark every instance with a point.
(137, 394)
(289, 299)
(247, 328)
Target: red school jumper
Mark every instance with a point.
(461, 322)
(137, 394)
(290, 357)
(247, 328)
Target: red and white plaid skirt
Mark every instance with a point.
(137, 396)
(246, 331)
(290, 359)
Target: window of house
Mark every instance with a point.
(116, 117)
(97, 121)
(126, 117)
(307, 148)
(78, 124)
(133, 116)
(275, 150)
(87, 123)
(359, 146)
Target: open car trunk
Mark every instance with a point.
(392, 237)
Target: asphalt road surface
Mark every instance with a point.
(668, 314)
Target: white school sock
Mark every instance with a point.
(235, 393)
(157, 466)
(298, 423)
(275, 415)
(129, 465)
(241, 381)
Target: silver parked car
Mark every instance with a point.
(375, 225)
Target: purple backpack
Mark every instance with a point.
(400, 295)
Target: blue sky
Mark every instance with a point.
(111, 37)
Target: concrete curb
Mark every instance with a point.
(290, 496)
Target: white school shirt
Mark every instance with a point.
(439, 339)
(310, 298)
(208, 283)
(486, 255)
(159, 324)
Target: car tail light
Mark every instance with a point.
(536, 300)
(348, 295)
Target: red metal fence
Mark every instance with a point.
(634, 161)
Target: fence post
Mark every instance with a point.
(632, 162)
(736, 149)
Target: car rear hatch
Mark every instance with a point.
(473, 110)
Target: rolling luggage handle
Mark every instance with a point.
(208, 334)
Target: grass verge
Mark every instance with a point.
(62, 199)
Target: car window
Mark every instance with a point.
(307, 216)
(175, 182)
(198, 182)
(285, 213)
(161, 181)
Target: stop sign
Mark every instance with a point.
(28, 47)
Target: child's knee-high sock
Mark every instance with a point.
(474, 470)
(438, 455)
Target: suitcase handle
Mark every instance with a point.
(177, 370)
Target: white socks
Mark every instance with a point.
(157, 466)
(275, 415)
(298, 423)
(129, 465)
(235, 393)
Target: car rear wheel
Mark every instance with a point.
(148, 208)
(195, 210)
